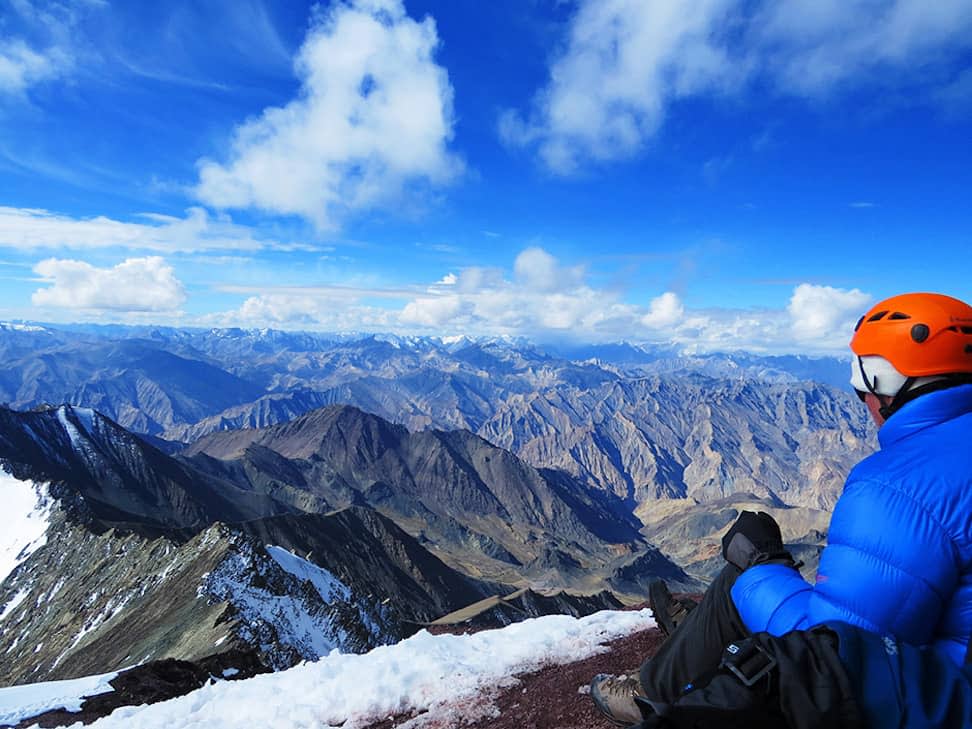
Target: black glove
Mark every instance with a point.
(764, 682)
(755, 538)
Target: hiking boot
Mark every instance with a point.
(668, 611)
(614, 696)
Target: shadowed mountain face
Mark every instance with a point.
(452, 489)
(121, 479)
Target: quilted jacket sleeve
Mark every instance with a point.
(888, 568)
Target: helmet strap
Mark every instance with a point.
(871, 386)
(947, 381)
(899, 398)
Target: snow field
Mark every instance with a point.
(20, 702)
(27, 510)
(449, 677)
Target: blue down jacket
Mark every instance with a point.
(899, 553)
(901, 686)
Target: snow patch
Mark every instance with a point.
(448, 677)
(27, 511)
(14, 603)
(14, 327)
(84, 416)
(22, 702)
(327, 585)
(284, 618)
(114, 606)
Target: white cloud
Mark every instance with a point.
(537, 299)
(373, 119)
(22, 66)
(283, 308)
(664, 311)
(307, 310)
(538, 270)
(434, 311)
(625, 62)
(135, 285)
(825, 314)
(26, 229)
(813, 45)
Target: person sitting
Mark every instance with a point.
(833, 676)
(899, 553)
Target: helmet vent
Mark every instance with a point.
(859, 322)
(877, 317)
(966, 330)
(920, 332)
(968, 348)
(898, 316)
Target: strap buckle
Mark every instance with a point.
(748, 662)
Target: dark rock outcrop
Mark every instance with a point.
(153, 682)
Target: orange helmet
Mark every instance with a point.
(919, 334)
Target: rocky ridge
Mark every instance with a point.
(638, 421)
(144, 558)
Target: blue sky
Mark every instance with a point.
(718, 173)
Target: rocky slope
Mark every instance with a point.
(128, 555)
(90, 603)
(457, 493)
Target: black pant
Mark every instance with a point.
(696, 646)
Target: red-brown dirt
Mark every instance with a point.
(555, 697)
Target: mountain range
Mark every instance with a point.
(285, 554)
(638, 421)
(282, 494)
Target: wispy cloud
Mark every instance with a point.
(863, 205)
(330, 292)
(372, 119)
(625, 62)
(22, 66)
(28, 229)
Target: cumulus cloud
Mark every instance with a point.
(372, 120)
(25, 229)
(541, 298)
(664, 311)
(539, 271)
(317, 310)
(825, 314)
(434, 311)
(135, 285)
(625, 62)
